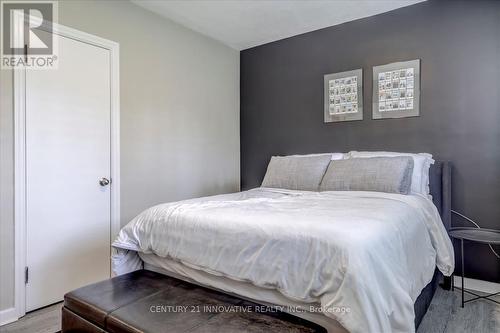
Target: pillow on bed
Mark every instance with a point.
(379, 174)
(420, 176)
(334, 156)
(296, 172)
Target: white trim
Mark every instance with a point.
(19, 191)
(478, 285)
(20, 155)
(8, 316)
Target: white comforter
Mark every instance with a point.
(367, 253)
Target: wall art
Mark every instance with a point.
(343, 95)
(396, 90)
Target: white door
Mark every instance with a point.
(67, 153)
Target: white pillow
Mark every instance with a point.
(338, 156)
(422, 163)
(335, 156)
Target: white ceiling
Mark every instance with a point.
(242, 24)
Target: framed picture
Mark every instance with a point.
(396, 90)
(344, 96)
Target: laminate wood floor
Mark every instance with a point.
(45, 320)
(444, 316)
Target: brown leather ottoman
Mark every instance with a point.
(145, 301)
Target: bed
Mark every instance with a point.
(373, 270)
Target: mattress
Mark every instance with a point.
(241, 289)
(371, 253)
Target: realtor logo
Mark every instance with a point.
(27, 38)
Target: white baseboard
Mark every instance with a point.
(478, 285)
(8, 316)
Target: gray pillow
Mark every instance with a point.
(379, 174)
(296, 172)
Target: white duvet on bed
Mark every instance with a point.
(371, 253)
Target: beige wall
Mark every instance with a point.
(179, 113)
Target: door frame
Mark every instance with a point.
(19, 90)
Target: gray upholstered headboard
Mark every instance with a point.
(440, 186)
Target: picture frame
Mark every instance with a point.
(343, 96)
(396, 90)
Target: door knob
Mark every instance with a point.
(104, 181)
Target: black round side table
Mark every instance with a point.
(485, 236)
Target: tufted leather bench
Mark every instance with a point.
(145, 301)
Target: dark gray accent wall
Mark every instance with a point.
(459, 47)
